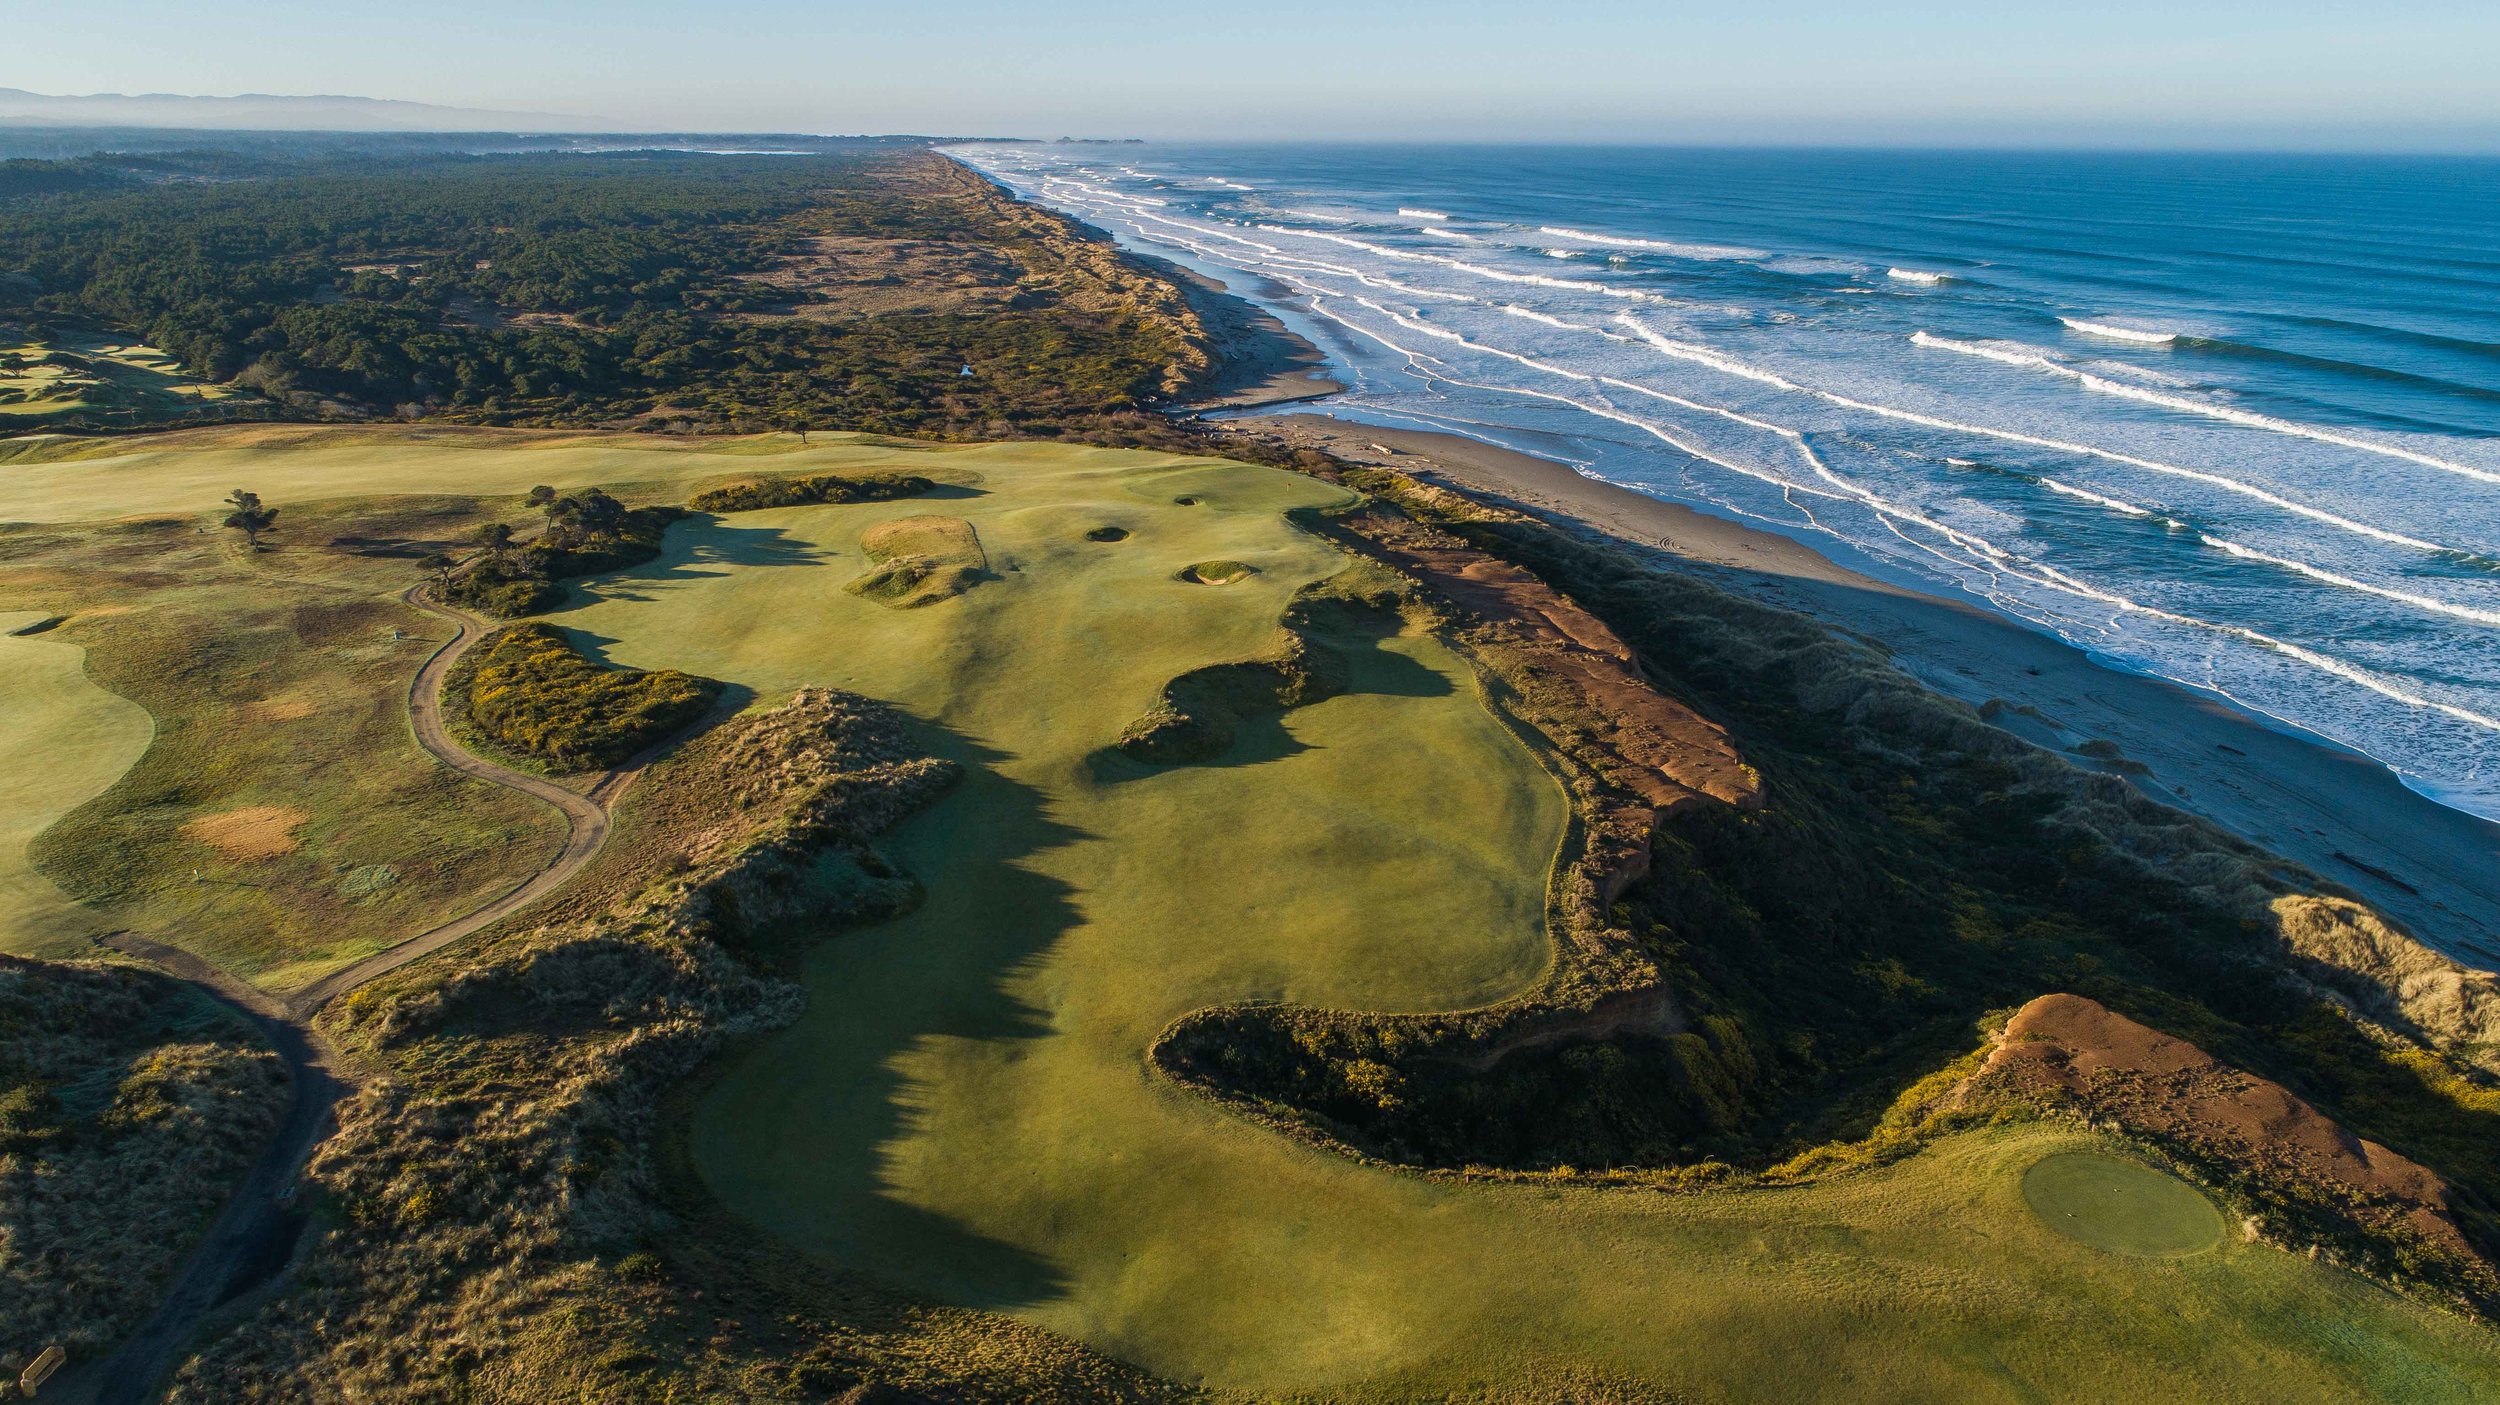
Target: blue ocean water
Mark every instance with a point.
(2231, 420)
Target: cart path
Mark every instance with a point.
(252, 1239)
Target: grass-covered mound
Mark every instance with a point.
(527, 690)
(920, 561)
(129, 1107)
(761, 493)
(587, 535)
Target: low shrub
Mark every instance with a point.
(526, 689)
(761, 493)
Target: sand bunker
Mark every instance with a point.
(252, 833)
(1107, 534)
(1216, 572)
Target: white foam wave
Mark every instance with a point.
(1570, 254)
(1912, 275)
(2118, 333)
(2034, 359)
(1479, 270)
(1706, 356)
(1449, 234)
(2102, 499)
(1664, 246)
(1414, 214)
(2316, 573)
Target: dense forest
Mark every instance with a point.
(669, 289)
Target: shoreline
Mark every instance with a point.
(2335, 811)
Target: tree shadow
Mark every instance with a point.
(693, 556)
(813, 1161)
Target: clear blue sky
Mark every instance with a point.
(2421, 74)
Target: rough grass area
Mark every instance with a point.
(129, 1107)
(527, 690)
(816, 488)
(494, 1196)
(217, 682)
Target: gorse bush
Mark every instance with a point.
(799, 492)
(528, 690)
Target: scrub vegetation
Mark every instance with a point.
(526, 689)
(129, 1107)
(762, 493)
(651, 289)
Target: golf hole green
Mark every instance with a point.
(2121, 1206)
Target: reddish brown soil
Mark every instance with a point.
(1651, 745)
(2067, 1048)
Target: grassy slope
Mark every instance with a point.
(964, 1110)
(62, 740)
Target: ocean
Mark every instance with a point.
(2229, 420)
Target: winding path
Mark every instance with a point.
(247, 1248)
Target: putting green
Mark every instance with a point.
(63, 740)
(2123, 1206)
(965, 1110)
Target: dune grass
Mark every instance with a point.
(965, 1112)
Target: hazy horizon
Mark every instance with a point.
(2196, 75)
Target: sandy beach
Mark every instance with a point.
(2341, 814)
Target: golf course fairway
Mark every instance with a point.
(965, 1112)
(63, 740)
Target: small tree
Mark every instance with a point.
(543, 498)
(440, 565)
(249, 517)
(496, 537)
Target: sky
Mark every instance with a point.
(2281, 74)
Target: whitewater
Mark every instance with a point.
(2235, 424)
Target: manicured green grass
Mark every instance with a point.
(2123, 1206)
(965, 1110)
(40, 379)
(62, 741)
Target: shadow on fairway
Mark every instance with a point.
(804, 1155)
(691, 556)
(1262, 735)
